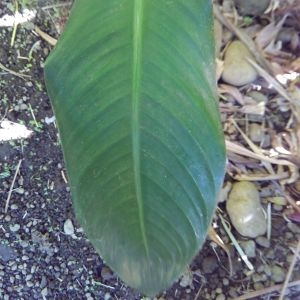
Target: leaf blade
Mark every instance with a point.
(143, 176)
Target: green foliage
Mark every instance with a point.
(133, 88)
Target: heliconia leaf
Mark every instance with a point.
(132, 83)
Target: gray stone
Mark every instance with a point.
(14, 227)
(252, 7)
(68, 227)
(209, 264)
(221, 297)
(263, 242)
(277, 274)
(293, 227)
(245, 210)
(29, 284)
(249, 248)
(237, 70)
(107, 296)
(44, 292)
(6, 252)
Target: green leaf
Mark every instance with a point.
(133, 88)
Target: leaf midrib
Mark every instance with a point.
(136, 85)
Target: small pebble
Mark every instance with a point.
(68, 227)
(28, 277)
(107, 296)
(6, 253)
(263, 242)
(209, 264)
(44, 292)
(89, 296)
(7, 218)
(43, 282)
(14, 227)
(258, 96)
(19, 190)
(29, 284)
(258, 286)
(277, 274)
(106, 273)
(293, 227)
(277, 207)
(252, 7)
(186, 279)
(249, 248)
(267, 270)
(256, 277)
(221, 297)
(256, 133)
(14, 206)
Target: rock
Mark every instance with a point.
(14, 227)
(245, 211)
(237, 70)
(106, 273)
(186, 279)
(263, 242)
(251, 7)
(44, 292)
(293, 227)
(258, 97)
(107, 296)
(221, 297)
(256, 132)
(277, 274)
(6, 253)
(249, 248)
(209, 264)
(68, 227)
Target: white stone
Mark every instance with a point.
(245, 210)
(14, 227)
(237, 70)
(68, 227)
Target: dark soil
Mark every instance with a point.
(37, 259)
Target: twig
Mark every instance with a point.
(276, 85)
(236, 245)
(268, 290)
(49, 39)
(269, 221)
(291, 201)
(261, 177)
(33, 116)
(14, 73)
(216, 238)
(12, 186)
(290, 271)
(64, 176)
(104, 285)
(13, 36)
(253, 147)
(235, 148)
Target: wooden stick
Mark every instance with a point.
(290, 271)
(49, 39)
(268, 290)
(12, 186)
